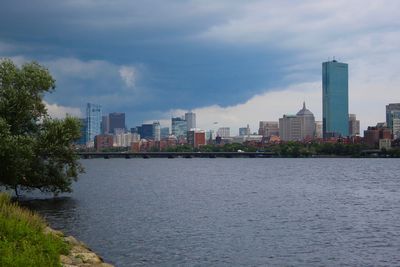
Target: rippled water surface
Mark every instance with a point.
(235, 212)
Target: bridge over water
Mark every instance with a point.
(88, 155)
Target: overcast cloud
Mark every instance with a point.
(236, 62)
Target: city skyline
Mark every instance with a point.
(233, 63)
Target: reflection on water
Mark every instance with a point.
(60, 211)
(235, 212)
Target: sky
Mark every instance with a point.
(229, 61)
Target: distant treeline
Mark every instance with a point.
(287, 149)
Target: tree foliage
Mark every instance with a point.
(35, 150)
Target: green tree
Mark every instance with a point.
(36, 151)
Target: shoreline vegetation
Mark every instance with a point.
(283, 150)
(26, 240)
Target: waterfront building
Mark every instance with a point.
(268, 128)
(125, 139)
(116, 121)
(297, 127)
(385, 144)
(105, 125)
(224, 132)
(318, 129)
(179, 127)
(146, 131)
(93, 122)
(335, 99)
(392, 118)
(156, 131)
(354, 125)
(373, 134)
(190, 119)
(196, 137)
(164, 132)
(103, 141)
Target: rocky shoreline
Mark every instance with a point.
(80, 255)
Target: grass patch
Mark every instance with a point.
(22, 240)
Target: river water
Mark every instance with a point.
(234, 212)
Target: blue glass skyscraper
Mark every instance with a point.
(93, 121)
(335, 97)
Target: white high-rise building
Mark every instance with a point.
(190, 119)
(318, 129)
(354, 125)
(156, 131)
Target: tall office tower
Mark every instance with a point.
(179, 127)
(93, 122)
(268, 128)
(190, 119)
(82, 139)
(156, 131)
(224, 132)
(354, 125)
(164, 132)
(307, 122)
(146, 131)
(105, 125)
(243, 131)
(335, 99)
(393, 118)
(297, 127)
(116, 121)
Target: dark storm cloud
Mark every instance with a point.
(148, 57)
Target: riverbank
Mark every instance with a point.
(26, 240)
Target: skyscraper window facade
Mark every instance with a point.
(93, 121)
(392, 111)
(116, 121)
(179, 127)
(190, 119)
(335, 99)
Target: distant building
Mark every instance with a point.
(268, 128)
(354, 125)
(335, 98)
(146, 131)
(82, 140)
(373, 134)
(93, 122)
(244, 131)
(393, 118)
(103, 141)
(297, 127)
(290, 128)
(116, 121)
(156, 131)
(385, 144)
(396, 128)
(318, 129)
(224, 132)
(105, 125)
(196, 137)
(179, 127)
(190, 119)
(164, 132)
(125, 139)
